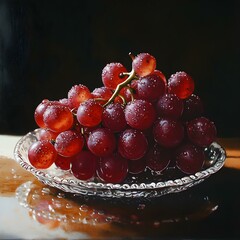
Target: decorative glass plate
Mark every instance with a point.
(144, 185)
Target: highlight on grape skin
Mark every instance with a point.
(101, 142)
(69, 143)
(181, 84)
(58, 118)
(138, 122)
(42, 154)
(111, 75)
(144, 64)
(78, 94)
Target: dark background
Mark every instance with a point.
(48, 46)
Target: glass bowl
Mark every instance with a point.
(144, 185)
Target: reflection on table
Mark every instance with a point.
(100, 218)
(210, 209)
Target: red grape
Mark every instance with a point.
(102, 94)
(58, 118)
(168, 132)
(170, 105)
(112, 169)
(42, 154)
(89, 113)
(140, 114)
(144, 64)
(39, 111)
(69, 143)
(150, 88)
(158, 158)
(132, 144)
(181, 84)
(78, 94)
(65, 102)
(46, 134)
(161, 75)
(189, 158)
(114, 117)
(111, 75)
(101, 142)
(201, 131)
(84, 165)
(193, 107)
(63, 162)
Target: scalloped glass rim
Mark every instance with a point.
(65, 181)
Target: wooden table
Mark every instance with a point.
(29, 209)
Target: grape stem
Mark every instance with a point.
(100, 99)
(123, 99)
(123, 74)
(131, 76)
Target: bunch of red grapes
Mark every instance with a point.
(137, 121)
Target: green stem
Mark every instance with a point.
(100, 99)
(82, 130)
(120, 86)
(123, 99)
